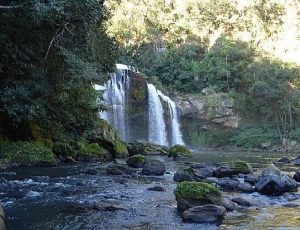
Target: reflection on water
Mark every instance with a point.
(62, 198)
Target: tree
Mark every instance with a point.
(52, 52)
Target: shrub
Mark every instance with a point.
(62, 149)
(26, 152)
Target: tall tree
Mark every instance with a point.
(52, 52)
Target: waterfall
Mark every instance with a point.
(176, 135)
(116, 98)
(156, 125)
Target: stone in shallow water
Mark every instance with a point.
(157, 188)
(205, 214)
(154, 167)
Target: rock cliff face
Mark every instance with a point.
(200, 114)
(214, 108)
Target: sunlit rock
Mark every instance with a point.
(274, 182)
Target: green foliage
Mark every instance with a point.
(93, 149)
(254, 136)
(218, 138)
(62, 149)
(26, 152)
(195, 190)
(52, 52)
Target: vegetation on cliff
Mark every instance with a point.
(246, 49)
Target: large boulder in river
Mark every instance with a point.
(189, 194)
(136, 161)
(274, 182)
(2, 217)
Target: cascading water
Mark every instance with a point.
(117, 99)
(175, 133)
(116, 102)
(156, 125)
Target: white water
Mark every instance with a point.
(176, 133)
(115, 95)
(115, 100)
(156, 124)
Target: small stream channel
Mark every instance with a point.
(63, 198)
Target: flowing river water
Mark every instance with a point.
(63, 198)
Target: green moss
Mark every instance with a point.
(138, 158)
(241, 166)
(93, 149)
(120, 148)
(179, 150)
(26, 152)
(195, 190)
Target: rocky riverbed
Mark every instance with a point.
(85, 196)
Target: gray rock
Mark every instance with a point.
(207, 171)
(153, 167)
(274, 182)
(187, 174)
(157, 188)
(296, 176)
(297, 161)
(106, 206)
(251, 178)
(245, 187)
(224, 171)
(120, 169)
(205, 214)
(241, 201)
(228, 184)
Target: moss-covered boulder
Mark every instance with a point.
(240, 166)
(136, 161)
(146, 148)
(119, 149)
(179, 150)
(189, 194)
(91, 152)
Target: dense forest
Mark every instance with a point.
(247, 49)
(53, 51)
(51, 54)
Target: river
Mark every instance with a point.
(63, 197)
